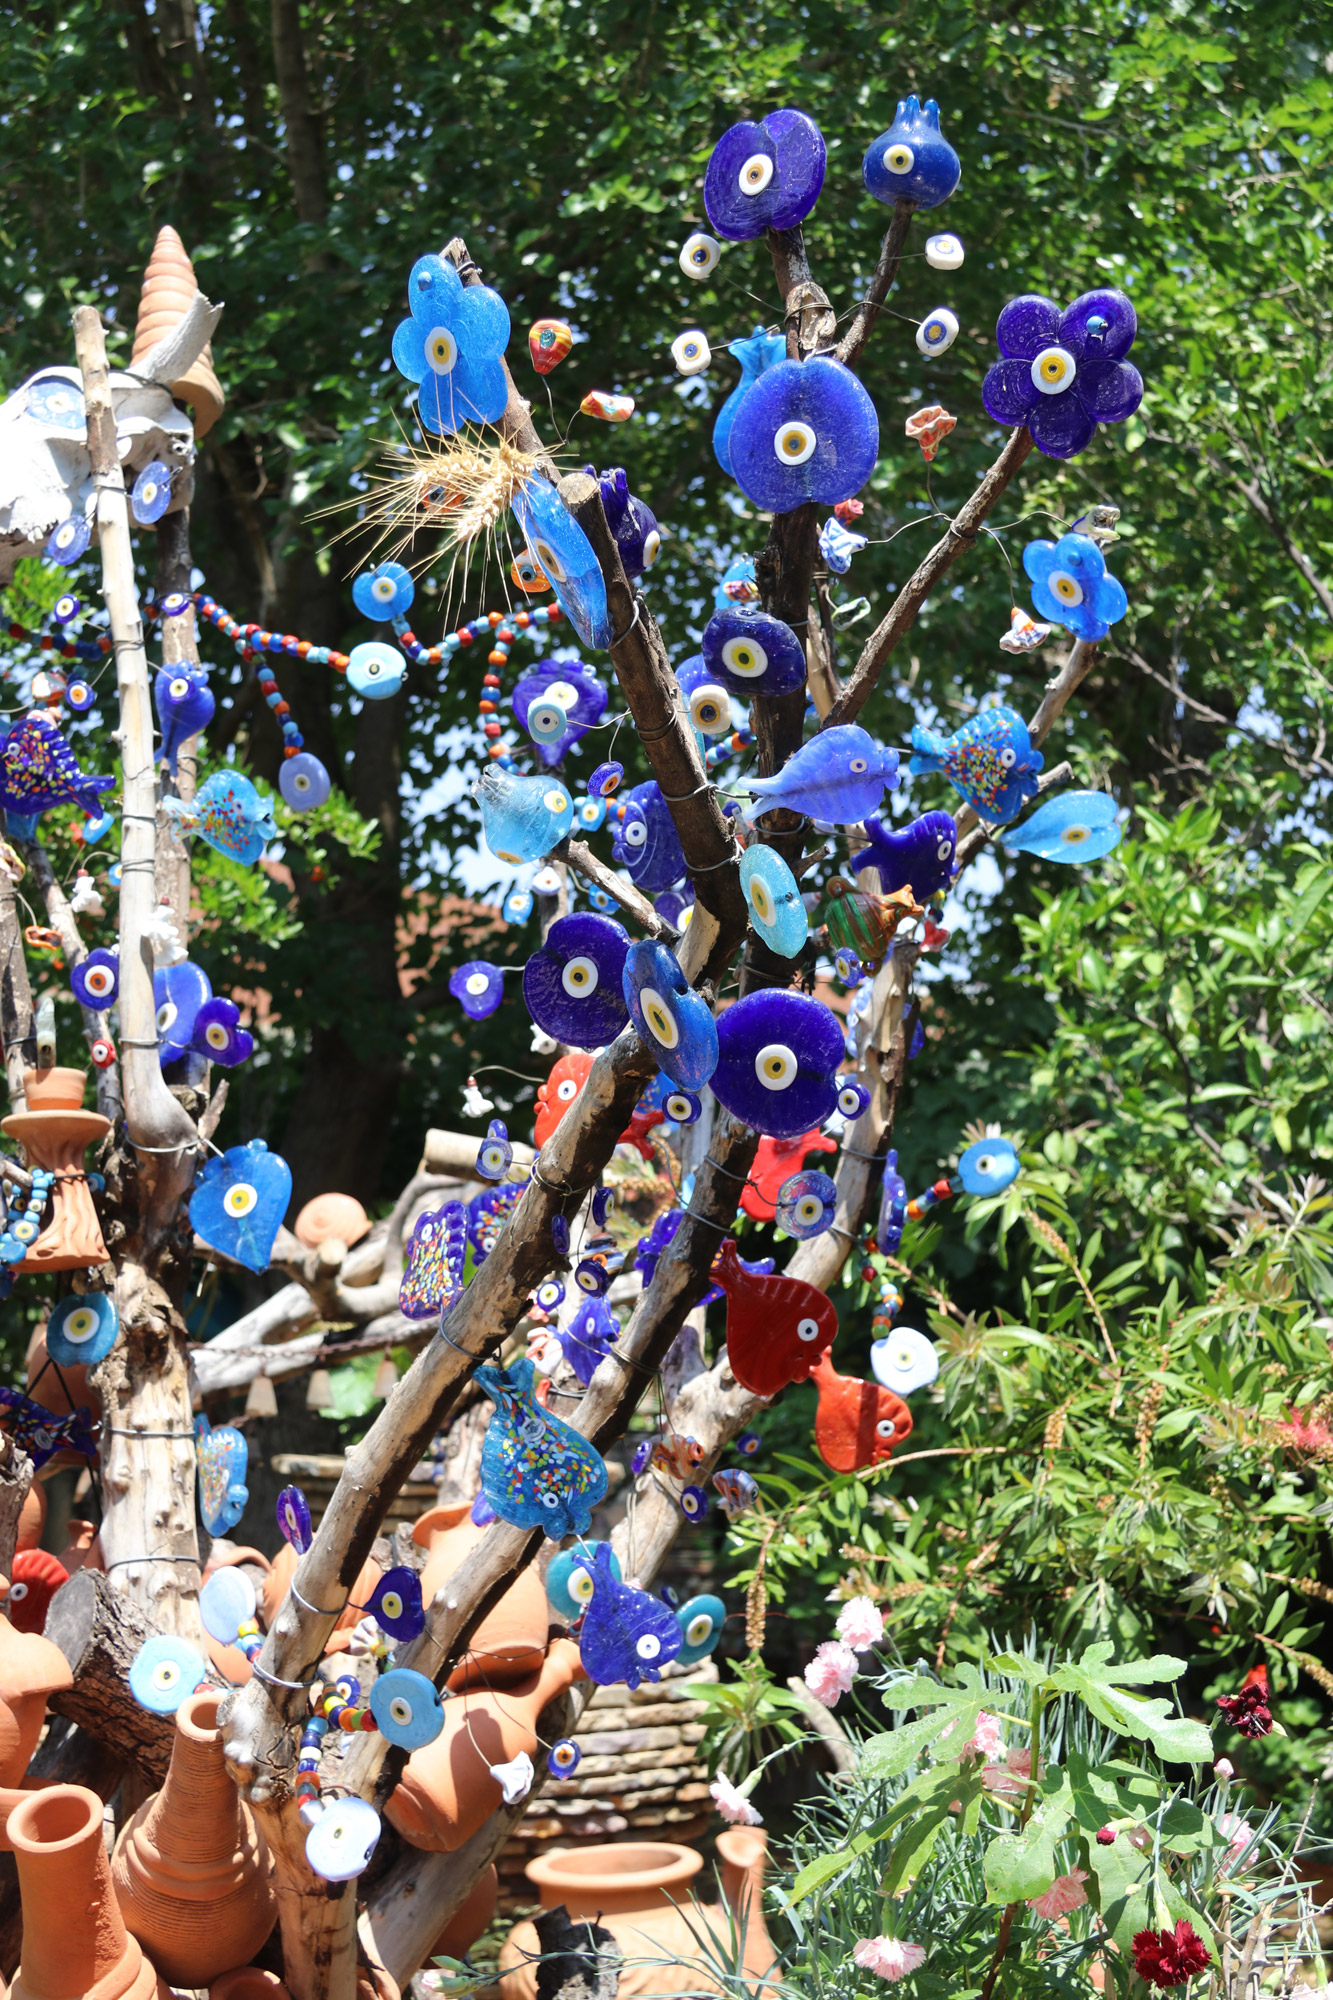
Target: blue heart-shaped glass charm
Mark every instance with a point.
(222, 1457)
(778, 1055)
(219, 1036)
(989, 1166)
(752, 653)
(569, 1577)
(536, 1471)
(806, 431)
(626, 1635)
(375, 670)
(912, 161)
(433, 1262)
(764, 176)
(521, 818)
(919, 858)
(989, 760)
(645, 842)
(839, 775)
(179, 991)
(807, 1204)
(495, 1155)
(82, 1329)
(384, 592)
(229, 814)
(566, 555)
(1078, 826)
(226, 1601)
(407, 1708)
(293, 1511)
(701, 1620)
(478, 987)
(758, 354)
(572, 985)
(164, 1670)
(774, 897)
(557, 702)
(240, 1201)
(395, 1603)
(674, 1021)
(339, 1845)
(632, 522)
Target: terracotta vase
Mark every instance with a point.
(32, 1519)
(75, 1944)
(511, 1643)
(191, 1869)
(248, 1982)
(470, 1919)
(446, 1791)
(169, 284)
(31, 1668)
(55, 1132)
(62, 1392)
(328, 1216)
(278, 1582)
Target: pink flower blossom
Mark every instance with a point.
(860, 1625)
(890, 1957)
(733, 1805)
(989, 1738)
(1238, 1833)
(1010, 1779)
(831, 1672)
(1066, 1893)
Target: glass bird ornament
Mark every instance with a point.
(777, 1327)
(920, 857)
(756, 355)
(535, 1470)
(778, 1056)
(184, 703)
(912, 161)
(572, 985)
(239, 1202)
(904, 1360)
(645, 842)
(752, 653)
(222, 1457)
(990, 761)
(857, 1424)
(1077, 826)
(839, 775)
(433, 1262)
(674, 1021)
(229, 814)
(521, 818)
(736, 1491)
(806, 431)
(774, 898)
(764, 175)
(859, 921)
(627, 1636)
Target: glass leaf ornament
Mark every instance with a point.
(764, 176)
(82, 1329)
(839, 775)
(38, 770)
(229, 813)
(912, 161)
(774, 898)
(587, 1338)
(407, 1708)
(521, 818)
(68, 540)
(1077, 826)
(645, 841)
(304, 782)
(559, 544)
(574, 689)
(571, 1577)
(495, 1155)
(150, 495)
(164, 1671)
(736, 1491)
(339, 1845)
(904, 1360)
(627, 1636)
(433, 1262)
(920, 857)
(572, 985)
(536, 1471)
(451, 347)
(96, 981)
(375, 670)
(218, 1035)
(753, 653)
(1072, 586)
(222, 1457)
(293, 1512)
(1063, 373)
(859, 921)
(674, 1021)
(478, 987)
(239, 1202)
(775, 1161)
(990, 761)
(226, 1601)
(806, 431)
(777, 1327)
(807, 1204)
(756, 355)
(385, 592)
(185, 705)
(632, 521)
(701, 1620)
(395, 1603)
(857, 1423)
(989, 1166)
(778, 1055)
(549, 341)
(179, 991)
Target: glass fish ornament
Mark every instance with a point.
(904, 1360)
(775, 1163)
(756, 355)
(920, 857)
(433, 1262)
(535, 1470)
(857, 1424)
(222, 1457)
(238, 1205)
(862, 922)
(645, 842)
(555, 1096)
(521, 818)
(777, 1327)
(587, 1338)
(549, 341)
(774, 899)
(38, 770)
(736, 1491)
(839, 775)
(229, 813)
(778, 1054)
(626, 1635)
(1077, 826)
(990, 761)
(184, 704)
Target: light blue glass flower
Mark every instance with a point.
(1078, 826)
(384, 593)
(1072, 586)
(452, 346)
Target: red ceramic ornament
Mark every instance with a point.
(775, 1161)
(559, 1091)
(36, 1579)
(857, 1424)
(549, 341)
(777, 1328)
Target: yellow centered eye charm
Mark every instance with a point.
(899, 159)
(661, 1021)
(1067, 588)
(239, 1200)
(441, 350)
(794, 443)
(775, 1066)
(1054, 370)
(755, 175)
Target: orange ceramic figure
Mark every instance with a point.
(777, 1327)
(563, 1085)
(857, 1424)
(775, 1161)
(37, 1577)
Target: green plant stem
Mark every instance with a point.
(1011, 1909)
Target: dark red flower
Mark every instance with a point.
(1169, 1958)
(1257, 1677)
(1248, 1711)
(1105, 1836)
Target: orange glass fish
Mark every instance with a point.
(678, 1457)
(549, 341)
(857, 1424)
(777, 1327)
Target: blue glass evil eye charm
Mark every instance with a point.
(495, 1154)
(304, 782)
(407, 1708)
(672, 1019)
(778, 1055)
(646, 842)
(764, 175)
(564, 1758)
(164, 1671)
(604, 780)
(570, 1579)
(67, 541)
(179, 991)
(920, 857)
(557, 702)
(385, 592)
(806, 431)
(185, 705)
(912, 161)
(693, 1503)
(339, 1845)
(989, 1166)
(682, 1107)
(221, 1457)
(566, 555)
(96, 980)
(774, 897)
(395, 1604)
(572, 985)
(701, 1620)
(853, 1098)
(517, 906)
(536, 1471)
(239, 1204)
(226, 1601)
(150, 495)
(522, 818)
(627, 1635)
(752, 653)
(758, 354)
(293, 1512)
(807, 1204)
(1072, 586)
(892, 1209)
(478, 987)
(82, 1329)
(375, 671)
(839, 775)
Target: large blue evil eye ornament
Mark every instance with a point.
(395, 1604)
(375, 671)
(184, 704)
(919, 858)
(165, 1670)
(912, 161)
(806, 1204)
(989, 1166)
(385, 592)
(753, 653)
(179, 991)
(632, 522)
(764, 176)
(774, 897)
(778, 1054)
(536, 1471)
(150, 495)
(627, 1635)
(570, 1579)
(707, 698)
(407, 1708)
(756, 355)
(572, 986)
(839, 775)
(239, 1202)
(645, 841)
(304, 782)
(566, 555)
(452, 346)
(1063, 373)
(669, 1016)
(557, 702)
(225, 1602)
(82, 1329)
(701, 1620)
(222, 1457)
(522, 818)
(67, 541)
(96, 981)
(806, 431)
(293, 1511)
(1078, 826)
(478, 988)
(339, 1845)
(1072, 586)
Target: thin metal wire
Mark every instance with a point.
(276, 1680)
(318, 1610)
(112, 1430)
(449, 1341)
(679, 798)
(620, 637)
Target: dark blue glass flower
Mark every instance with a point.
(764, 176)
(1063, 373)
(565, 554)
(385, 592)
(778, 1054)
(218, 1034)
(756, 355)
(646, 842)
(572, 986)
(96, 981)
(669, 1016)
(632, 522)
(1072, 586)
(179, 991)
(478, 987)
(557, 702)
(911, 161)
(752, 652)
(806, 431)
(452, 346)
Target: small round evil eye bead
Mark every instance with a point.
(150, 495)
(748, 1443)
(604, 780)
(406, 1707)
(682, 1107)
(806, 1204)
(938, 331)
(591, 1276)
(701, 1621)
(495, 1154)
(944, 252)
(304, 782)
(852, 1098)
(550, 1294)
(693, 1503)
(988, 1166)
(79, 696)
(691, 352)
(68, 540)
(699, 255)
(563, 1758)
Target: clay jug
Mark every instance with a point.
(470, 1919)
(278, 1582)
(55, 1132)
(169, 284)
(248, 1982)
(31, 1668)
(446, 1791)
(84, 1547)
(75, 1944)
(509, 1644)
(191, 1868)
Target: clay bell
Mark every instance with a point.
(169, 284)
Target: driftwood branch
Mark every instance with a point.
(15, 1482)
(63, 921)
(854, 342)
(180, 349)
(631, 900)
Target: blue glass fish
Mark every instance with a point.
(222, 1457)
(839, 775)
(645, 841)
(990, 761)
(184, 704)
(626, 1635)
(1078, 826)
(760, 352)
(920, 857)
(588, 1337)
(521, 818)
(229, 814)
(433, 1262)
(536, 1471)
(39, 770)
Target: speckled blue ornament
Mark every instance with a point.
(990, 761)
(912, 161)
(627, 1635)
(646, 842)
(752, 653)
(774, 898)
(919, 857)
(669, 1016)
(764, 175)
(572, 984)
(222, 1458)
(1077, 826)
(806, 431)
(535, 1470)
(778, 1055)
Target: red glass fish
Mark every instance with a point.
(775, 1161)
(857, 1424)
(563, 1085)
(777, 1328)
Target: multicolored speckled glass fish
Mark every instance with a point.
(626, 1634)
(990, 761)
(433, 1262)
(229, 814)
(536, 1471)
(39, 770)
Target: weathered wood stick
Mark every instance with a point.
(63, 921)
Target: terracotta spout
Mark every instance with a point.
(75, 1944)
(31, 1668)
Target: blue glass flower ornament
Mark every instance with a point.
(990, 761)
(239, 1202)
(68, 540)
(218, 1034)
(778, 1055)
(774, 898)
(407, 1708)
(339, 1845)
(912, 161)
(756, 355)
(764, 176)
(570, 1577)
(384, 592)
(563, 1758)
(989, 1166)
(478, 987)
(1077, 826)
(293, 1512)
(375, 670)
(605, 779)
(229, 813)
(96, 981)
(904, 1360)
(569, 687)
(433, 1261)
(752, 653)
(646, 842)
(853, 1098)
(221, 1459)
(838, 545)
(82, 1329)
(669, 1016)
(1072, 586)
(184, 703)
(452, 346)
(682, 1107)
(395, 1603)
(587, 1338)
(1063, 373)
(920, 857)
(150, 495)
(522, 818)
(626, 1635)
(701, 1620)
(632, 522)
(179, 991)
(536, 1471)
(566, 555)
(806, 431)
(572, 985)
(164, 1671)
(38, 770)
(495, 1155)
(807, 1203)
(839, 775)
(226, 1601)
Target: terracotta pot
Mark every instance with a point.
(446, 1791)
(191, 1869)
(84, 1549)
(248, 1982)
(61, 1392)
(278, 1582)
(330, 1215)
(511, 1643)
(75, 1944)
(55, 1133)
(31, 1668)
(32, 1519)
(169, 284)
(470, 1919)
